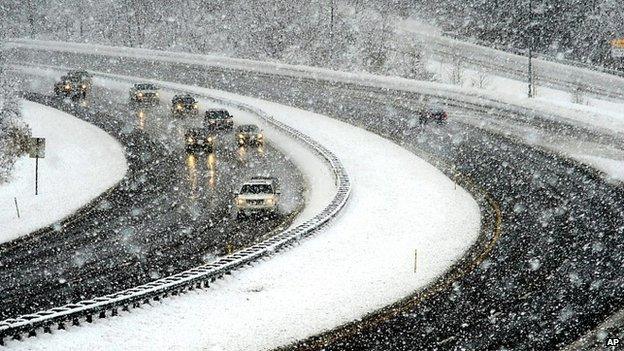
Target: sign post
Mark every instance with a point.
(37, 151)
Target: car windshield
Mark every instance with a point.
(145, 86)
(184, 99)
(70, 79)
(248, 128)
(217, 114)
(78, 74)
(257, 189)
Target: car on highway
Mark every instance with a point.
(260, 195)
(433, 113)
(83, 75)
(219, 119)
(199, 139)
(184, 105)
(71, 86)
(85, 78)
(249, 134)
(144, 93)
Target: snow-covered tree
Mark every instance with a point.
(14, 133)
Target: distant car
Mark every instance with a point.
(218, 119)
(259, 195)
(249, 134)
(199, 139)
(71, 86)
(84, 76)
(183, 105)
(144, 93)
(433, 113)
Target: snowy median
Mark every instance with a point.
(81, 162)
(362, 261)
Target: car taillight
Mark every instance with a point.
(444, 116)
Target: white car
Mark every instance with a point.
(259, 195)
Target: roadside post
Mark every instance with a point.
(16, 207)
(37, 151)
(415, 260)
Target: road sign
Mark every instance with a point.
(37, 151)
(617, 48)
(617, 43)
(37, 148)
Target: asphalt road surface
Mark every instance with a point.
(170, 213)
(554, 274)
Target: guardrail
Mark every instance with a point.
(199, 277)
(538, 55)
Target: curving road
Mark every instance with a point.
(170, 213)
(554, 274)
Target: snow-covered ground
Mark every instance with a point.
(584, 110)
(362, 261)
(81, 162)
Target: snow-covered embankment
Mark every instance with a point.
(81, 162)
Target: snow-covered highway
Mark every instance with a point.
(85, 256)
(354, 266)
(556, 213)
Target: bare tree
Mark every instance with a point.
(456, 72)
(481, 81)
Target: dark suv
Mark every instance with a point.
(219, 120)
(71, 86)
(197, 139)
(433, 114)
(249, 134)
(182, 105)
(144, 93)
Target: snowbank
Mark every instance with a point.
(487, 74)
(81, 162)
(588, 112)
(362, 261)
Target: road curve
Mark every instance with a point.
(170, 213)
(553, 275)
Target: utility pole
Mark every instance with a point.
(331, 23)
(530, 33)
(31, 18)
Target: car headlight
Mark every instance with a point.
(195, 105)
(190, 140)
(240, 135)
(260, 136)
(178, 107)
(67, 86)
(210, 139)
(240, 202)
(270, 201)
(156, 95)
(83, 86)
(139, 94)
